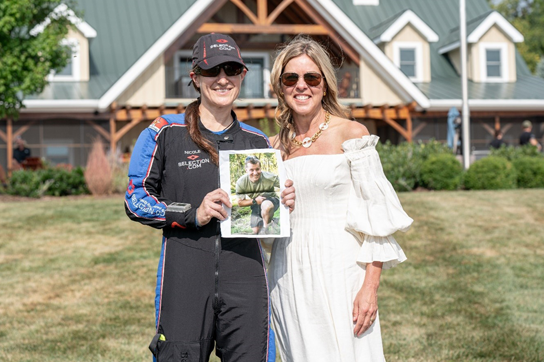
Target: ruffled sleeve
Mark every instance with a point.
(374, 210)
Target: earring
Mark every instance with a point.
(324, 93)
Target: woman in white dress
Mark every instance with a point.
(324, 278)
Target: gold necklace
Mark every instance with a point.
(307, 142)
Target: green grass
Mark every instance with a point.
(77, 280)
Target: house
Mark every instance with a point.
(398, 69)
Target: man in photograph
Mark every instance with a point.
(256, 190)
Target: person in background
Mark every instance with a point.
(211, 291)
(325, 277)
(527, 137)
(20, 152)
(497, 142)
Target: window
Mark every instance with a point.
(407, 61)
(408, 57)
(59, 151)
(255, 84)
(182, 78)
(493, 62)
(71, 72)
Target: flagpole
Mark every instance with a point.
(465, 113)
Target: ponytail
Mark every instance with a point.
(192, 116)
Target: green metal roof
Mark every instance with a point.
(126, 29)
(380, 28)
(442, 16)
(472, 24)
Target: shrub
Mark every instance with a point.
(119, 178)
(26, 183)
(491, 173)
(530, 171)
(441, 172)
(49, 181)
(511, 153)
(98, 172)
(398, 165)
(402, 163)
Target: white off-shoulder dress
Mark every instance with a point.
(346, 212)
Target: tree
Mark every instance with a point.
(528, 17)
(26, 55)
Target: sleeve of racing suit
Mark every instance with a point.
(143, 201)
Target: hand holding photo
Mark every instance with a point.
(254, 180)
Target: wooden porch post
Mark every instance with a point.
(409, 127)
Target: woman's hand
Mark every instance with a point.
(365, 305)
(212, 206)
(288, 195)
(365, 309)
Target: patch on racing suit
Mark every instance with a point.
(158, 123)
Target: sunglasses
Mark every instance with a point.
(312, 79)
(231, 69)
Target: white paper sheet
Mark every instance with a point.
(232, 167)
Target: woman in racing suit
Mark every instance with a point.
(210, 291)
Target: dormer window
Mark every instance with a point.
(409, 58)
(491, 51)
(70, 73)
(494, 62)
(407, 61)
(405, 40)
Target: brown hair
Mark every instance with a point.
(303, 45)
(192, 116)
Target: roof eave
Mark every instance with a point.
(495, 19)
(60, 105)
(408, 17)
(489, 104)
(63, 10)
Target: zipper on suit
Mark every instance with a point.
(217, 251)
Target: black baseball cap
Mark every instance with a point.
(213, 49)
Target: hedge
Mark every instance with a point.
(442, 172)
(530, 171)
(49, 181)
(491, 173)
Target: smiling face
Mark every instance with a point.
(220, 91)
(253, 170)
(304, 100)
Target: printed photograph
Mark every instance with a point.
(254, 185)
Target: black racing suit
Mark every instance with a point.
(209, 289)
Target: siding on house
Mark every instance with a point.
(148, 89)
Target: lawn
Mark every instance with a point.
(77, 280)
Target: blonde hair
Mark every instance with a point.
(303, 45)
